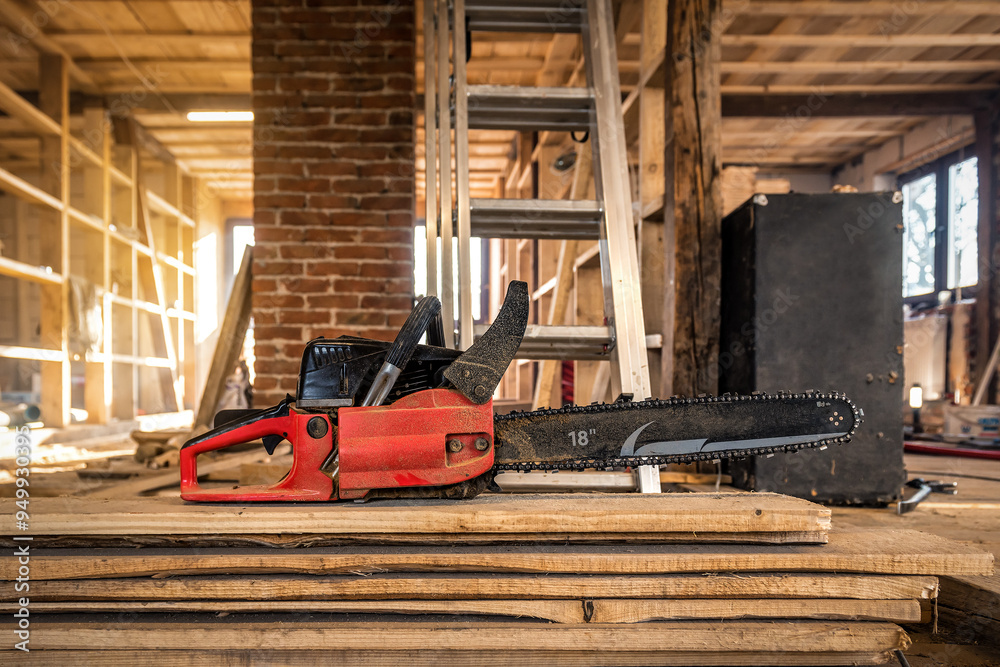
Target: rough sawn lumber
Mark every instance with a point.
(565, 513)
(863, 551)
(434, 586)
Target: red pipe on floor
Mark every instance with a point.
(943, 450)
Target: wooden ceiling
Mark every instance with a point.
(162, 58)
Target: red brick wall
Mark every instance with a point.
(333, 100)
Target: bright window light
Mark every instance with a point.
(219, 116)
(916, 397)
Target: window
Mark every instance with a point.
(940, 217)
(963, 224)
(476, 260)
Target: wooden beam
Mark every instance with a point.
(819, 105)
(869, 89)
(19, 20)
(859, 66)
(692, 200)
(886, 8)
(113, 65)
(885, 40)
(987, 313)
(166, 39)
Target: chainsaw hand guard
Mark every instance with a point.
(311, 436)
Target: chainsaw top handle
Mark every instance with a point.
(419, 321)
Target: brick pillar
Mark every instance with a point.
(333, 99)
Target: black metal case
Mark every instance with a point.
(812, 299)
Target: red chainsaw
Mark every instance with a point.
(373, 419)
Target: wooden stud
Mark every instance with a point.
(54, 102)
(97, 194)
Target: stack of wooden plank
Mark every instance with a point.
(672, 579)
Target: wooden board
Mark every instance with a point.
(973, 595)
(559, 611)
(965, 628)
(691, 636)
(570, 513)
(876, 552)
(637, 611)
(479, 586)
(297, 540)
(431, 658)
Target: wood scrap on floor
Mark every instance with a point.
(970, 606)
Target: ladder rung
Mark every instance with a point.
(562, 342)
(535, 218)
(524, 15)
(529, 108)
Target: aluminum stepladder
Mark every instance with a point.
(453, 107)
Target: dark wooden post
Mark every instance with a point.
(988, 289)
(692, 197)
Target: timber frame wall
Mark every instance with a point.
(116, 215)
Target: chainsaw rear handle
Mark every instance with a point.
(311, 436)
(419, 321)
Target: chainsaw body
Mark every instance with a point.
(370, 415)
(407, 442)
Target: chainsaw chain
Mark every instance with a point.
(652, 403)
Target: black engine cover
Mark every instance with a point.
(336, 371)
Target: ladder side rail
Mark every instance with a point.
(624, 308)
(430, 149)
(464, 286)
(444, 160)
